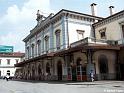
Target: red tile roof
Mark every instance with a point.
(14, 54)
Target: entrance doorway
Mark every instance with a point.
(39, 72)
(33, 73)
(48, 68)
(59, 70)
(103, 67)
(74, 73)
(81, 70)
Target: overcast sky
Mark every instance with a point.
(18, 17)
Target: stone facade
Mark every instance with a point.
(63, 47)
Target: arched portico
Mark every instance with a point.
(59, 70)
(103, 66)
(39, 72)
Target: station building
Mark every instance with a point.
(69, 45)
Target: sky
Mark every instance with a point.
(18, 17)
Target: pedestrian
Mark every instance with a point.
(92, 75)
(46, 76)
(7, 77)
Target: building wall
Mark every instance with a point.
(113, 30)
(56, 60)
(111, 57)
(58, 26)
(68, 27)
(4, 66)
(80, 55)
(74, 25)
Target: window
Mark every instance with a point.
(123, 30)
(46, 43)
(102, 33)
(17, 60)
(32, 46)
(8, 61)
(39, 47)
(80, 34)
(57, 39)
(28, 52)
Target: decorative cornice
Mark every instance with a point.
(52, 20)
(110, 19)
(6, 66)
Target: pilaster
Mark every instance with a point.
(90, 65)
(65, 31)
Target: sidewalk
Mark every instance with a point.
(74, 82)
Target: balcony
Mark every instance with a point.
(92, 41)
(120, 42)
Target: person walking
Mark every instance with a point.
(92, 75)
(7, 77)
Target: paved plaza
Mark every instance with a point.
(61, 87)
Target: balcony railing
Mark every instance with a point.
(90, 40)
(120, 42)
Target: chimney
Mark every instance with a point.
(111, 10)
(93, 9)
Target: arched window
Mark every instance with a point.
(46, 43)
(57, 33)
(39, 47)
(32, 48)
(103, 64)
(28, 54)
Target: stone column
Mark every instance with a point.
(64, 65)
(90, 65)
(65, 31)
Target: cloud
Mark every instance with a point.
(16, 24)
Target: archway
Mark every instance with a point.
(33, 73)
(103, 66)
(78, 62)
(8, 72)
(76, 70)
(39, 72)
(48, 68)
(59, 70)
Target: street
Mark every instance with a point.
(61, 87)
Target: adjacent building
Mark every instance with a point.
(7, 60)
(69, 45)
(111, 29)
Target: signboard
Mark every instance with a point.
(6, 49)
